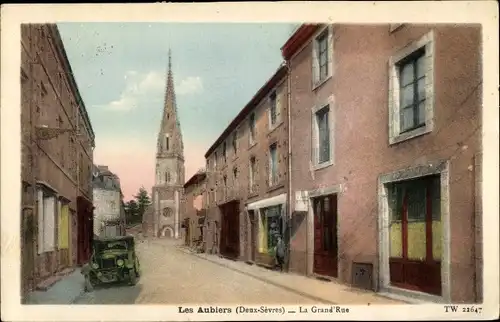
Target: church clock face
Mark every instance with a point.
(167, 212)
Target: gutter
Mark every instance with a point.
(289, 116)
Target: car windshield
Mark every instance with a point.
(116, 245)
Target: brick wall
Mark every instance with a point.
(48, 100)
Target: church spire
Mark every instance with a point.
(170, 125)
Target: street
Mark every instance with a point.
(170, 276)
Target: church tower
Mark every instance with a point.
(168, 191)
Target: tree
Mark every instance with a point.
(143, 201)
(131, 212)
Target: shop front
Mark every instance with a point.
(268, 222)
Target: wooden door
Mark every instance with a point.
(325, 236)
(230, 230)
(415, 235)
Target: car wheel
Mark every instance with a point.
(133, 277)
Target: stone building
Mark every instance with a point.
(385, 141)
(109, 214)
(194, 212)
(247, 177)
(56, 158)
(163, 218)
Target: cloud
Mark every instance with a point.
(141, 87)
(190, 85)
(138, 87)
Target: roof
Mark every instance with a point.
(196, 178)
(297, 39)
(278, 75)
(72, 82)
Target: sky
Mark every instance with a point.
(120, 70)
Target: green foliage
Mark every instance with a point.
(135, 208)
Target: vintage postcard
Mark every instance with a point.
(250, 161)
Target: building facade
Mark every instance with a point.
(109, 214)
(165, 216)
(386, 155)
(195, 212)
(57, 156)
(247, 170)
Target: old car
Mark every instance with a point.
(113, 260)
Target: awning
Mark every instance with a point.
(273, 201)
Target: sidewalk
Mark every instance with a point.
(65, 291)
(321, 291)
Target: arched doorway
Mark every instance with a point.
(166, 231)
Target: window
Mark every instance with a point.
(46, 221)
(235, 173)
(252, 128)
(167, 143)
(411, 97)
(412, 92)
(322, 56)
(225, 181)
(273, 165)
(272, 109)
(208, 164)
(235, 142)
(224, 152)
(167, 177)
(322, 121)
(253, 176)
(215, 160)
(271, 226)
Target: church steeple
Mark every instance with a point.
(168, 191)
(170, 136)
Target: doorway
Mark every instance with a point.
(325, 236)
(253, 235)
(415, 234)
(230, 230)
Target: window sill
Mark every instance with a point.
(321, 83)
(410, 135)
(272, 128)
(275, 187)
(252, 194)
(322, 165)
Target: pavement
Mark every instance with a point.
(327, 292)
(64, 291)
(172, 274)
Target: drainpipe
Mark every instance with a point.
(289, 116)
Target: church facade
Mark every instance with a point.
(163, 217)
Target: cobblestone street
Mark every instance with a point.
(170, 276)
